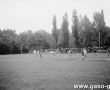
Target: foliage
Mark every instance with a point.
(11, 43)
(55, 30)
(65, 31)
(75, 28)
(7, 41)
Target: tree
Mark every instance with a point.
(65, 31)
(7, 41)
(48, 37)
(107, 37)
(99, 25)
(22, 41)
(107, 40)
(75, 28)
(60, 38)
(37, 41)
(87, 31)
(55, 30)
(71, 41)
(99, 19)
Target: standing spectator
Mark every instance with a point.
(34, 52)
(108, 51)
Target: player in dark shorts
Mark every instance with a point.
(95, 51)
(84, 53)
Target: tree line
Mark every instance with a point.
(83, 33)
(12, 43)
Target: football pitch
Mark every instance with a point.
(59, 72)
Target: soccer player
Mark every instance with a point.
(84, 52)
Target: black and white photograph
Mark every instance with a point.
(54, 45)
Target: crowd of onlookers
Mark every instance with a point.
(59, 51)
(74, 50)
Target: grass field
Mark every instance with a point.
(29, 72)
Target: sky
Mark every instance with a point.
(24, 15)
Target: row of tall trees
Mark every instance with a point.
(84, 33)
(61, 36)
